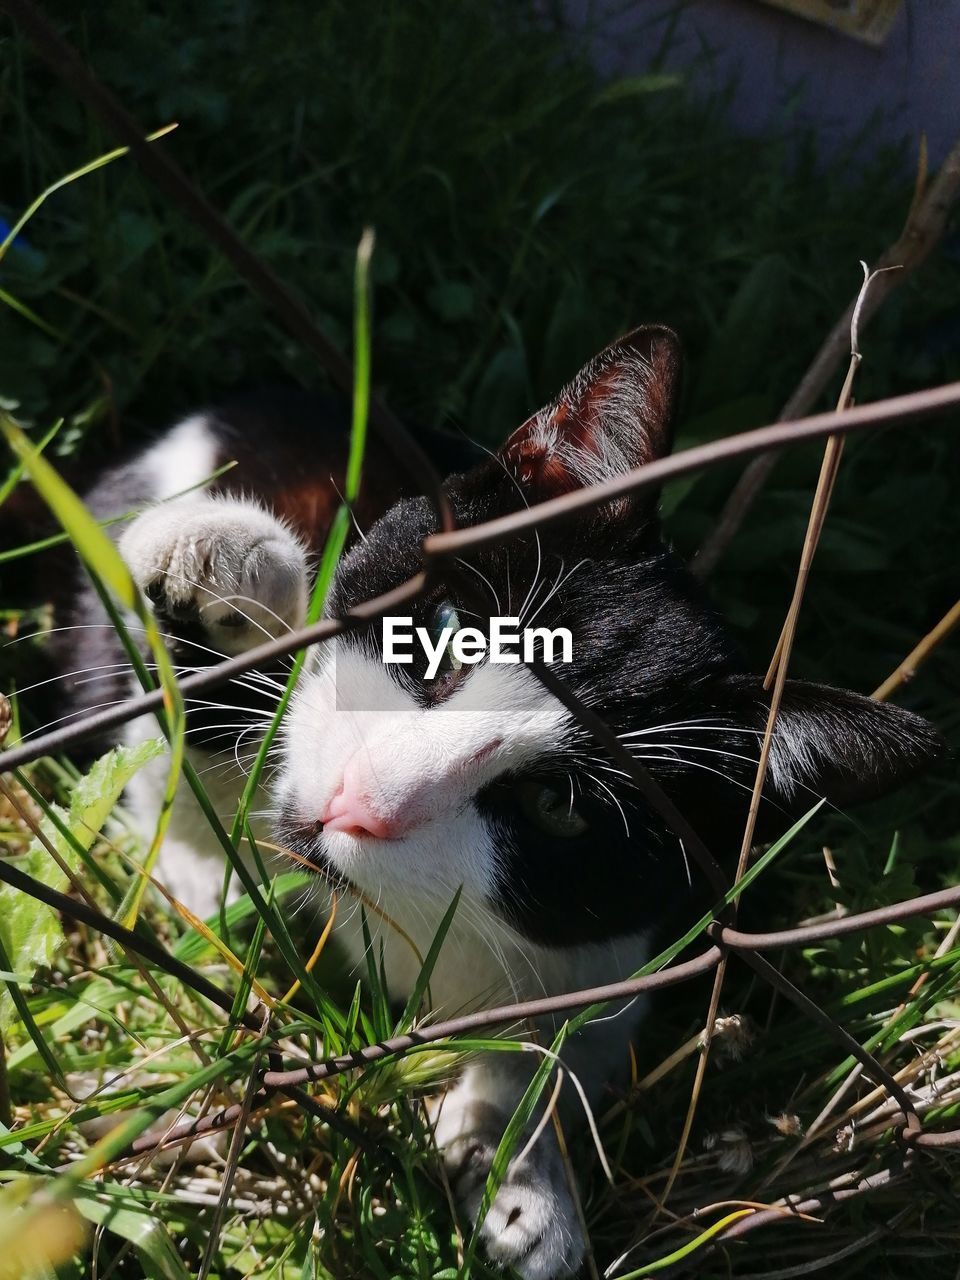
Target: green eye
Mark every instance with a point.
(445, 615)
(551, 809)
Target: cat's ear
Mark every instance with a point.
(830, 742)
(615, 415)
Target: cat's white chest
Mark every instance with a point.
(480, 961)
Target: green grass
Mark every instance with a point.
(525, 213)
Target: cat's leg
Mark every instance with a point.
(532, 1225)
(222, 575)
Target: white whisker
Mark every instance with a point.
(111, 668)
(484, 579)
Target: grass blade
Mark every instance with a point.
(105, 565)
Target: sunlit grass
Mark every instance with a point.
(524, 215)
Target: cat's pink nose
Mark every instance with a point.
(352, 812)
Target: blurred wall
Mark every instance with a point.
(787, 68)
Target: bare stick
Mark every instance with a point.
(816, 1204)
(777, 676)
(288, 1079)
(916, 406)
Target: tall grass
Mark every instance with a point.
(525, 212)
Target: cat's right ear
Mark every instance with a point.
(616, 414)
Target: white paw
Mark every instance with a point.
(226, 563)
(532, 1225)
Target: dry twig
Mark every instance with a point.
(908, 667)
(776, 677)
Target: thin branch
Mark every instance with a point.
(896, 411)
(726, 937)
(817, 1205)
(290, 1079)
(211, 677)
(776, 677)
(925, 225)
(869, 1063)
(908, 667)
(131, 940)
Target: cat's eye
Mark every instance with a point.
(445, 616)
(551, 808)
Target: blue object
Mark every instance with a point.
(20, 245)
(5, 229)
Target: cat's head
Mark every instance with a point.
(410, 787)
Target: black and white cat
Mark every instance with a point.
(410, 789)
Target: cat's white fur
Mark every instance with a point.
(235, 563)
(422, 767)
(186, 456)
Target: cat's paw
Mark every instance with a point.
(532, 1225)
(227, 564)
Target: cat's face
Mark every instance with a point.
(410, 787)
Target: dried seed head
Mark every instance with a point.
(786, 1124)
(734, 1151)
(844, 1139)
(732, 1037)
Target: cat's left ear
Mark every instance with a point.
(615, 415)
(832, 742)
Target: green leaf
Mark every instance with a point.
(429, 963)
(514, 1131)
(82, 172)
(739, 414)
(501, 397)
(30, 931)
(194, 948)
(152, 1242)
(521, 1117)
(99, 790)
(13, 476)
(690, 1247)
(638, 86)
(97, 1001)
(736, 360)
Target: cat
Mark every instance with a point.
(479, 780)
